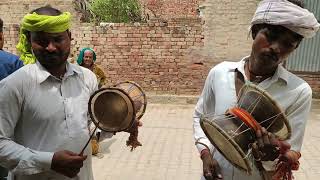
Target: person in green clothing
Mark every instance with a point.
(87, 58)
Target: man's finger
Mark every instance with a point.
(72, 172)
(259, 138)
(208, 175)
(265, 136)
(255, 152)
(76, 164)
(273, 140)
(217, 171)
(70, 153)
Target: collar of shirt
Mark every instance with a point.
(281, 74)
(43, 74)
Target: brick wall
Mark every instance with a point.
(152, 54)
(11, 33)
(314, 82)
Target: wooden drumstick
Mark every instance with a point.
(81, 153)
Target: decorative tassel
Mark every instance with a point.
(288, 161)
(133, 138)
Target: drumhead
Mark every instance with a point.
(111, 109)
(225, 145)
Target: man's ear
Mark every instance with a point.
(69, 34)
(253, 34)
(28, 36)
(298, 44)
(1, 36)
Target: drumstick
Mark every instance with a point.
(81, 153)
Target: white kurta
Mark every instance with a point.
(292, 93)
(40, 115)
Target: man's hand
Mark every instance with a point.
(211, 168)
(266, 148)
(67, 163)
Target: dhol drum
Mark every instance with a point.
(233, 132)
(117, 108)
(139, 99)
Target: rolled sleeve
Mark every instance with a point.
(34, 162)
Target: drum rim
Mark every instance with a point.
(235, 145)
(142, 91)
(269, 97)
(113, 89)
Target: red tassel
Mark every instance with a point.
(288, 161)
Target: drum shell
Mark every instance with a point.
(137, 95)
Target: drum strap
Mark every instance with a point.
(239, 80)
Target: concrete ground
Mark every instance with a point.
(168, 151)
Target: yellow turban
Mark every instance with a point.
(35, 23)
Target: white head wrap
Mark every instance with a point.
(287, 14)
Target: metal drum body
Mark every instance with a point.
(136, 93)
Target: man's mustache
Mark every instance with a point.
(52, 55)
(272, 56)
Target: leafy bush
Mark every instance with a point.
(116, 10)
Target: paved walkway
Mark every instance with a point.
(168, 151)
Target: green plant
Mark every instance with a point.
(116, 10)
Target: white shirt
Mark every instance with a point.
(292, 93)
(40, 115)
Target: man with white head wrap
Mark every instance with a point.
(288, 15)
(277, 29)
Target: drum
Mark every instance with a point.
(117, 108)
(139, 99)
(233, 132)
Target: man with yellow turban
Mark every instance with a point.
(44, 105)
(277, 29)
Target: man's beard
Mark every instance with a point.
(52, 60)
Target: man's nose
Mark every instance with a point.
(276, 47)
(51, 47)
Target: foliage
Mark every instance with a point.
(116, 11)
